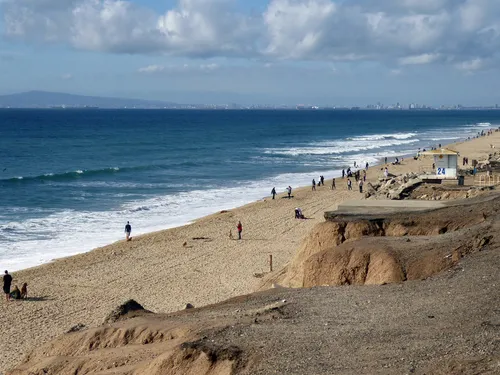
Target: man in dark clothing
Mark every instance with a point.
(7, 281)
(273, 192)
(128, 230)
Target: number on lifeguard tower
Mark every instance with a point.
(441, 171)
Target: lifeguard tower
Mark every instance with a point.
(446, 163)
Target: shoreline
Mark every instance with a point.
(380, 161)
(196, 263)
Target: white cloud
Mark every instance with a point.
(208, 67)
(67, 76)
(471, 65)
(425, 58)
(408, 32)
(151, 69)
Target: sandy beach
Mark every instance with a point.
(197, 263)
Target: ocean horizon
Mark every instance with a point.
(72, 179)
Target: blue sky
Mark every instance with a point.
(280, 51)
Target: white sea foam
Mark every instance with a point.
(69, 232)
(375, 137)
(338, 147)
(446, 139)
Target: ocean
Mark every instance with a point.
(71, 179)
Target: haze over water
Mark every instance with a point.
(70, 179)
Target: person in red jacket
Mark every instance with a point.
(240, 229)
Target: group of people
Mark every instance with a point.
(321, 181)
(360, 184)
(16, 293)
(356, 174)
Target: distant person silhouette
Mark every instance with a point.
(128, 230)
(7, 281)
(240, 229)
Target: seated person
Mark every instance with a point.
(16, 293)
(299, 214)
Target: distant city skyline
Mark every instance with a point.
(43, 99)
(324, 52)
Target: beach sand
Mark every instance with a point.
(165, 270)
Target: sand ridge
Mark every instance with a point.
(162, 274)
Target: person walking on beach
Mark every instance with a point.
(343, 173)
(273, 192)
(314, 185)
(128, 230)
(289, 190)
(349, 184)
(360, 186)
(322, 180)
(366, 166)
(385, 160)
(386, 172)
(333, 184)
(239, 227)
(7, 281)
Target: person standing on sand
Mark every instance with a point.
(360, 186)
(385, 160)
(343, 173)
(322, 180)
(289, 190)
(128, 230)
(386, 172)
(7, 281)
(333, 184)
(273, 192)
(240, 229)
(349, 184)
(314, 185)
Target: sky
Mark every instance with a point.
(325, 52)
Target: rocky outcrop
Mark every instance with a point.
(126, 310)
(395, 188)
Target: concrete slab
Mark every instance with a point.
(375, 207)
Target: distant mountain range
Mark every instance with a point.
(44, 99)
